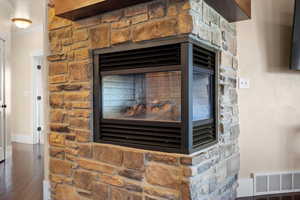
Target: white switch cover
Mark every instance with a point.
(244, 83)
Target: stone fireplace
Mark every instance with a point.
(83, 169)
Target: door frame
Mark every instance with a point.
(3, 98)
(35, 73)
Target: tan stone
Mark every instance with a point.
(57, 116)
(100, 191)
(57, 152)
(162, 193)
(56, 139)
(185, 23)
(77, 96)
(139, 18)
(60, 167)
(80, 35)
(58, 79)
(154, 29)
(80, 123)
(83, 179)
(163, 158)
(79, 71)
(164, 176)
(108, 154)
(66, 192)
(157, 9)
(85, 150)
(80, 113)
(172, 10)
(86, 22)
(136, 10)
(112, 16)
(56, 178)
(71, 151)
(81, 105)
(133, 160)
(81, 54)
(117, 194)
(120, 36)
(58, 127)
(100, 36)
(95, 166)
(54, 88)
(82, 136)
(111, 180)
(121, 24)
(57, 68)
(56, 22)
(131, 174)
(79, 45)
(56, 57)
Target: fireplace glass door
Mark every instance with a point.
(154, 96)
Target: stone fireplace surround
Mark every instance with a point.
(81, 169)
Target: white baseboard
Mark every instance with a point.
(25, 139)
(46, 190)
(245, 188)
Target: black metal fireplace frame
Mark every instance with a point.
(186, 68)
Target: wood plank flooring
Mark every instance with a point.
(289, 196)
(21, 176)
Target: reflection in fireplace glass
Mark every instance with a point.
(202, 96)
(154, 96)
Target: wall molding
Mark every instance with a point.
(23, 138)
(246, 187)
(46, 190)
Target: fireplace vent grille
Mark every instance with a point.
(203, 135)
(203, 58)
(155, 136)
(166, 55)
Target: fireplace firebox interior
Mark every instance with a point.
(158, 96)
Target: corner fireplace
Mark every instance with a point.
(159, 95)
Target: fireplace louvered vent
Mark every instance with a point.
(147, 95)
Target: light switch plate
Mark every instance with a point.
(244, 83)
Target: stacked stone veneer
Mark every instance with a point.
(81, 169)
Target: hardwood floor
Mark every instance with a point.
(290, 196)
(21, 176)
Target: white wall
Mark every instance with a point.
(5, 33)
(270, 109)
(25, 43)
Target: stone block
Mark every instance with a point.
(154, 29)
(56, 139)
(84, 179)
(58, 79)
(80, 35)
(95, 166)
(100, 191)
(118, 194)
(120, 36)
(162, 193)
(124, 23)
(112, 16)
(57, 152)
(136, 10)
(57, 68)
(81, 54)
(58, 116)
(79, 71)
(131, 174)
(85, 150)
(108, 154)
(80, 123)
(112, 180)
(162, 158)
(100, 36)
(157, 9)
(60, 167)
(139, 18)
(133, 160)
(163, 175)
(77, 96)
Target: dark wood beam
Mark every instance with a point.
(232, 10)
(78, 9)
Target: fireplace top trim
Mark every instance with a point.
(155, 43)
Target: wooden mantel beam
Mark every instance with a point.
(78, 9)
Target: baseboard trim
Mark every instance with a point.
(245, 188)
(25, 139)
(46, 190)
